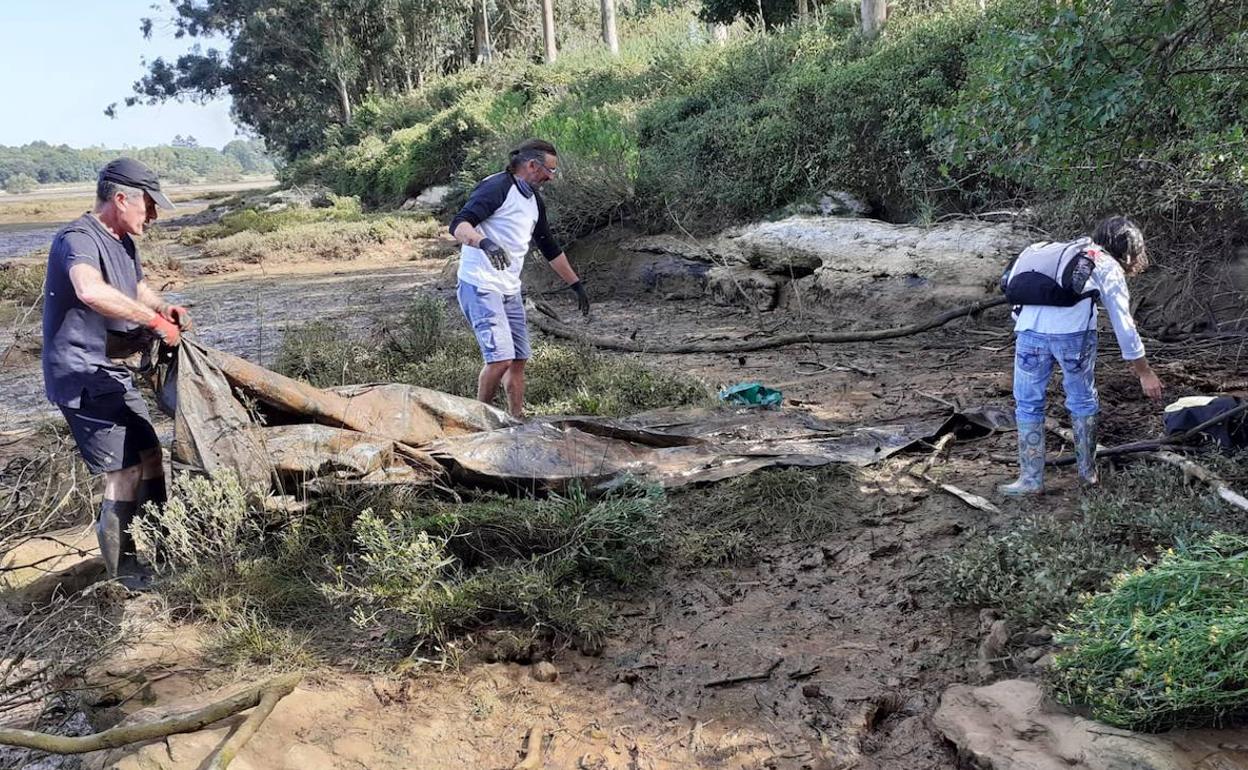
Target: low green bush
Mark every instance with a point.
(323, 240)
(22, 284)
(423, 348)
(1165, 646)
(253, 220)
(1035, 571)
(454, 567)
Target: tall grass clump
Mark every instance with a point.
(424, 348)
(1164, 647)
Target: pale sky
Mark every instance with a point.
(64, 61)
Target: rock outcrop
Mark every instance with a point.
(1010, 726)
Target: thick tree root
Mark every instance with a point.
(558, 329)
(265, 695)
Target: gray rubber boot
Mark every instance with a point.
(1085, 449)
(1030, 461)
(117, 545)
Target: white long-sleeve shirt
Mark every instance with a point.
(1109, 279)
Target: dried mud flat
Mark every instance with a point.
(819, 654)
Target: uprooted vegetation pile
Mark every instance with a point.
(1146, 588)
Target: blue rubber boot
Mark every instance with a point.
(1030, 461)
(1085, 449)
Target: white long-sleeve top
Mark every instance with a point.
(1107, 278)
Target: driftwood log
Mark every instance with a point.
(556, 328)
(265, 695)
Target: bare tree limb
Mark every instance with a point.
(557, 329)
(124, 735)
(268, 701)
(1198, 471)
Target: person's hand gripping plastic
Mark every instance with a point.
(495, 253)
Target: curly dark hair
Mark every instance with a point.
(1124, 241)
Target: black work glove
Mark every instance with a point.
(582, 299)
(496, 254)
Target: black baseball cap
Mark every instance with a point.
(132, 173)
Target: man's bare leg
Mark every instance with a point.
(490, 378)
(513, 384)
(123, 485)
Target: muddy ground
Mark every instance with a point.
(843, 645)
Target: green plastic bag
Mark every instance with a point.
(751, 394)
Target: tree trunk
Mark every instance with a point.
(548, 30)
(874, 12)
(344, 100)
(482, 50)
(608, 27)
(803, 10)
(719, 33)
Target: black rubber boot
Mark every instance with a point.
(152, 491)
(117, 545)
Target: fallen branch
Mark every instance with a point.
(124, 735)
(1198, 471)
(558, 329)
(268, 701)
(1153, 445)
(731, 680)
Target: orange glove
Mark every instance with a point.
(178, 315)
(168, 332)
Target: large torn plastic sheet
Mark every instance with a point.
(235, 415)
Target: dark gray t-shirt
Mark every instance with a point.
(74, 335)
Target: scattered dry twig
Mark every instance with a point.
(1198, 471)
(532, 749)
(731, 680)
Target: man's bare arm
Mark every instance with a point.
(148, 297)
(95, 293)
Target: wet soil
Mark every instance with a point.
(819, 654)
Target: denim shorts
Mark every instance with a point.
(497, 322)
(111, 429)
(1034, 355)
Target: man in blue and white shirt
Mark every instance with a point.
(503, 217)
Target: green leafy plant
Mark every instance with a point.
(1164, 647)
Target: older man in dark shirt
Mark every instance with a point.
(94, 289)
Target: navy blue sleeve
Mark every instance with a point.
(488, 195)
(542, 236)
(78, 248)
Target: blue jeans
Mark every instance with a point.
(497, 322)
(1034, 355)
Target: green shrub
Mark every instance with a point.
(1165, 646)
(1058, 94)
(252, 220)
(423, 349)
(727, 521)
(1035, 572)
(450, 568)
(323, 240)
(18, 184)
